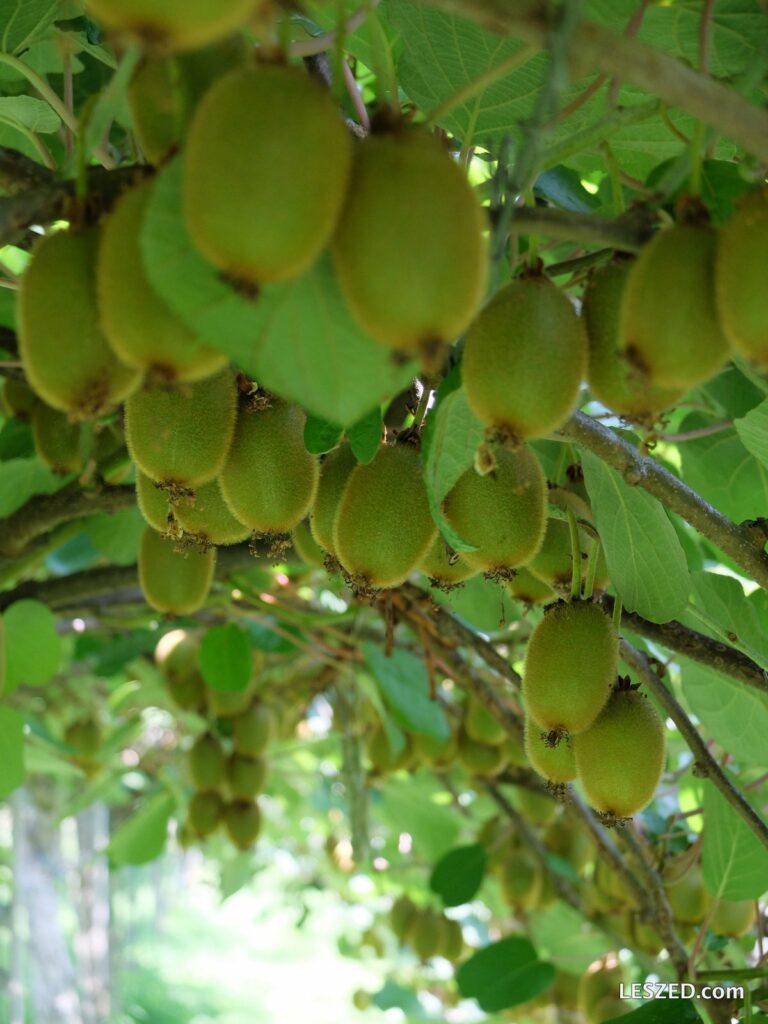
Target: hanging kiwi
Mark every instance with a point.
(245, 776)
(554, 763)
(206, 763)
(444, 567)
(410, 249)
(173, 582)
(206, 519)
(205, 813)
(18, 399)
(253, 730)
(66, 357)
(154, 504)
(58, 441)
(242, 820)
(306, 547)
(335, 470)
(266, 147)
(740, 286)
(171, 25)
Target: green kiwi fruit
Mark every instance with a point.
(733, 918)
(18, 399)
(425, 934)
(230, 703)
(154, 504)
(306, 547)
(570, 667)
(187, 693)
(480, 724)
(204, 813)
(335, 470)
(612, 379)
(176, 654)
(266, 146)
(540, 808)
(205, 517)
(674, 275)
(570, 842)
(437, 752)
(502, 514)
(381, 755)
(453, 940)
(645, 936)
(409, 250)
(554, 763)
(253, 730)
(480, 758)
(529, 589)
(383, 526)
(171, 25)
(66, 356)
(173, 582)
(245, 776)
(444, 567)
(269, 479)
(140, 327)
(600, 981)
(525, 357)
(740, 287)
(84, 736)
(206, 763)
(521, 879)
(688, 898)
(242, 820)
(620, 757)
(180, 436)
(402, 914)
(58, 441)
(553, 562)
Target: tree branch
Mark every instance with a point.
(738, 542)
(706, 764)
(627, 233)
(596, 48)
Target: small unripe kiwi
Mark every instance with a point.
(140, 327)
(424, 934)
(84, 736)
(453, 939)
(306, 547)
(269, 480)
(57, 439)
(480, 758)
(435, 752)
(66, 357)
(170, 25)
(253, 730)
(688, 897)
(382, 756)
(674, 275)
(526, 587)
(502, 513)
(205, 517)
(383, 525)
(18, 399)
(180, 436)
(266, 146)
(187, 693)
(402, 915)
(361, 1000)
(740, 286)
(206, 762)
(620, 757)
(245, 776)
(444, 567)
(335, 470)
(733, 918)
(480, 724)
(570, 667)
(204, 813)
(569, 841)
(242, 820)
(521, 879)
(524, 359)
(409, 250)
(176, 654)
(612, 380)
(554, 763)
(154, 504)
(173, 582)
(540, 808)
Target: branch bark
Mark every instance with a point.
(627, 233)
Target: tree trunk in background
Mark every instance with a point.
(39, 870)
(92, 942)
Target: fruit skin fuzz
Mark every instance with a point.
(740, 277)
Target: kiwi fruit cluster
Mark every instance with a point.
(428, 932)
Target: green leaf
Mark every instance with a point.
(563, 936)
(402, 679)
(30, 112)
(459, 874)
(225, 658)
(21, 479)
(661, 1011)
(297, 339)
(753, 431)
(142, 837)
(721, 607)
(482, 603)
(116, 537)
(365, 436)
(734, 861)
(23, 21)
(721, 469)
(320, 436)
(646, 562)
(111, 100)
(504, 974)
(12, 769)
(450, 444)
(408, 806)
(32, 645)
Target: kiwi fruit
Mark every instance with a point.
(204, 813)
(425, 934)
(84, 736)
(553, 562)
(645, 936)
(601, 981)
(233, 703)
(521, 879)
(306, 547)
(444, 567)
(381, 755)
(205, 517)
(453, 940)
(188, 692)
(480, 724)
(502, 514)
(206, 762)
(570, 842)
(612, 380)
(176, 654)
(554, 763)
(266, 146)
(529, 589)
(688, 898)
(335, 470)
(525, 357)
(173, 582)
(140, 327)
(253, 730)
(180, 436)
(245, 776)
(674, 274)
(437, 752)
(480, 758)
(540, 808)
(58, 441)
(733, 918)
(269, 479)
(383, 526)
(409, 250)
(739, 286)
(154, 504)
(171, 25)
(620, 758)
(570, 667)
(242, 820)
(402, 914)
(18, 399)
(66, 357)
